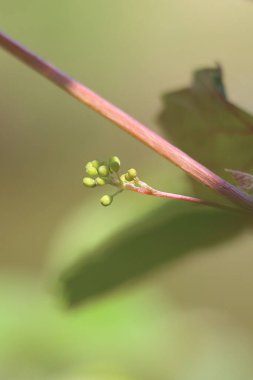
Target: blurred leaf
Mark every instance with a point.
(202, 122)
(139, 335)
(215, 132)
(47, 343)
(163, 235)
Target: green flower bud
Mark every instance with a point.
(103, 170)
(100, 181)
(123, 178)
(106, 200)
(95, 164)
(132, 173)
(90, 170)
(127, 177)
(114, 164)
(88, 165)
(89, 182)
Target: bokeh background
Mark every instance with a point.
(189, 320)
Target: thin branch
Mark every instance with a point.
(127, 123)
(185, 198)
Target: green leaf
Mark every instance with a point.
(202, 122)
(172, 232)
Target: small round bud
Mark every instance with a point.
(88, 165)
(95, 164)
(103, 170)
(100, 181)
(123, 178)
(89, 182)
(114, 163)
(106, 200)
(90, 170)
(132, 173)
(128, 178)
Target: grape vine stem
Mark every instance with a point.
(127, 123)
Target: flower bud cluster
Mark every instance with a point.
(101, 173)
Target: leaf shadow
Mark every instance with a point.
(164, 235)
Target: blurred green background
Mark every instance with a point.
(189, 320)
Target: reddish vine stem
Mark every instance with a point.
(127, 123)
(180, 197)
